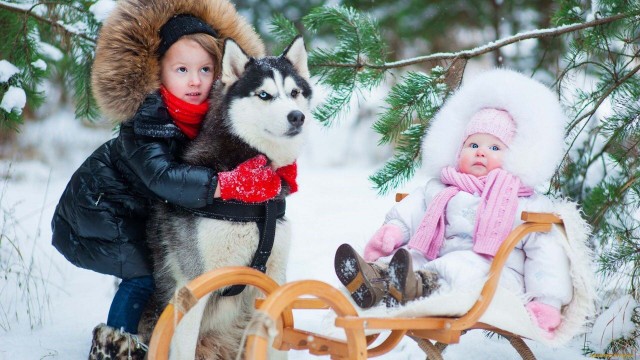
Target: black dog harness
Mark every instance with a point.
(263, 214)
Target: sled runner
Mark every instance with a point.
(490, 308)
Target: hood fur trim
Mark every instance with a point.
(126, 67)
(538, 145)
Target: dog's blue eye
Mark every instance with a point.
(295, 93)
(263, 95)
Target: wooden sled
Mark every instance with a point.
(433, 334)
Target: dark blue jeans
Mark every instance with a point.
(129, 302)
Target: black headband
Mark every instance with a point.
(179, 26)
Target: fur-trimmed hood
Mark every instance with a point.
(126, 67)
(537, 147)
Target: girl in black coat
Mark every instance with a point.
(99, 223)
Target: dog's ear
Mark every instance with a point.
(234, 61)
(297, 54)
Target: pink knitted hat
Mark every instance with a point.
(496, 122)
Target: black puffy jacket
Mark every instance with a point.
(99, 223)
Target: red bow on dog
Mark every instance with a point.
(288, 174)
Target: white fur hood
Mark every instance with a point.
(537, 147)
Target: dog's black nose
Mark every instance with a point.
(296, 118)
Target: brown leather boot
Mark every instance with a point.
(405, 284)
(365, 281)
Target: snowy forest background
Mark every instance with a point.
(383, 69)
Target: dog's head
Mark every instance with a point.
(268, 99)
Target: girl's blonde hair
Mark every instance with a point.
(211, 45)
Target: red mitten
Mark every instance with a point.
(383, 242)
(252, 181)
(288, 174)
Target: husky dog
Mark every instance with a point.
(258, 107)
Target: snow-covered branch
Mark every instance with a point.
(27, 10)
(487, 48)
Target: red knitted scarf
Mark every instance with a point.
(187, 117)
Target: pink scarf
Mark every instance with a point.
(494, 217)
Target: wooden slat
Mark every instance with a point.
(388, 344)
(316, 344)
(302, 304)
(355, 322)
(400, 196)
(545, 218)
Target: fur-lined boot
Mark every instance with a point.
(112, 344)
(404, 283)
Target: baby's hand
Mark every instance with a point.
(547, 317)
(383, 242)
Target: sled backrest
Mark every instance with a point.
(400, 196)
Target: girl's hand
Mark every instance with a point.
(252, 181)
(383, 242)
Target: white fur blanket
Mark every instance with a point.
(507, 310)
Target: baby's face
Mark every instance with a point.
(480, 154)
(187, 71)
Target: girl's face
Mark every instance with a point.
(186, 70)
(480, 154)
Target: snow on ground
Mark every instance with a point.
(335, 204)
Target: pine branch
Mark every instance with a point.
(337, 102)
(27, 11)
(601, 100)
(613, 200)
(358, 38)
(417, 95)
(611, 141)
(404, 163)
(283, 30)
(475, 52)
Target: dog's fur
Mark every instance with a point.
(239, 125)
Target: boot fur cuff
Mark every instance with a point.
(113, 344)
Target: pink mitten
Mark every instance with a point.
(383, 242)
(547, 317)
